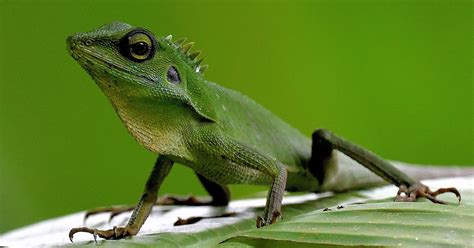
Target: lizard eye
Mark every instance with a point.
(173, 76)
(138, 45)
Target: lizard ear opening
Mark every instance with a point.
(172, 75)
(138, 45)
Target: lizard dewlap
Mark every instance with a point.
(157, 87)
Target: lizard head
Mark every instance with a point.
(131, 65)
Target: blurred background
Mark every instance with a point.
(393, 76)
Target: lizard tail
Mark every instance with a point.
(343, 173)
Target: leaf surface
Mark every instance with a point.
(377, 221)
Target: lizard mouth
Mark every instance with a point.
(90, 61)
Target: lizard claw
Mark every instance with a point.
(418, 190)
(261, 222)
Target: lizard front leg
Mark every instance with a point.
(253, 167)
(275, 196)
(161, 169)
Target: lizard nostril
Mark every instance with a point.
(70, 43)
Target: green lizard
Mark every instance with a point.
(158, 90)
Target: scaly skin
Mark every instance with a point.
(157, 89)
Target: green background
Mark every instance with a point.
(394, 76)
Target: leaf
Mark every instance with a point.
(377, 222)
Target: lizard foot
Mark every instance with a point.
(167, 200)
(183, 201)
(261, 222)
(114, 211)
(420, 190)
(114, 233)
(194, 219)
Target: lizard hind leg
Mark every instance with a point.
(324, 142)
(114, 211)
(220, 196)
(168, 200)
